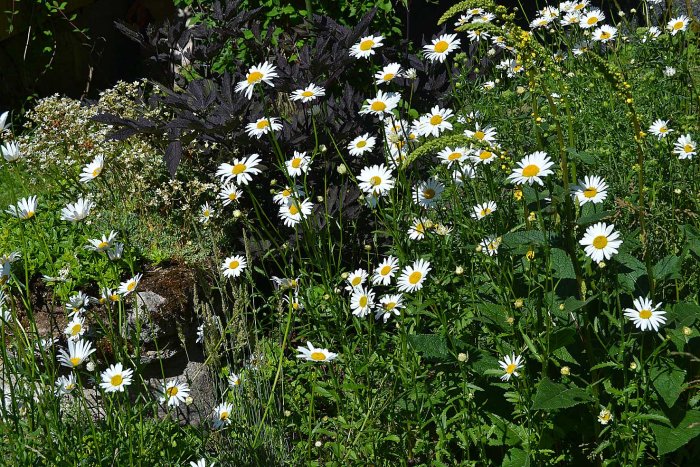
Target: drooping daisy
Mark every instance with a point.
(234, 381)
(75, 212)
(532, 168)
(116, 378)
(116, 251)
(484, 209)
(591, 189)
(361, 144)
(592, 18)
(78, 302)
(308, 94)
(441, 47)
(488, 85)
(93, 169)
(685, 147)
(76, 328)
(205, 213)
(386, 74)
(229, 193)
(427, 193)
(600, 241)
(294, 211)
(449, 156)
(222, 415)
(298, 164)
(604, 33)
(489, 245)
(78, 352)
(389, 305)
(361, 301)
(126, 287)
(241, 170)
(3, 121)
(376, 180)
(356, 279)
(412, 277)
(605, 416)
(487, 134)
(174, 392)
(263, 72)
(65, 385)
(417, 230)
(660, 128)
(10, 151)
(284, 196)
(678, 24)
(511, 364)
(233, 266)
(313, 354)
(385, 271)
(103, 244)
(383, 104)
(365, 47)
(645, 314)
(571, 18)
(434, 122)
(25, 208)
(262, 126)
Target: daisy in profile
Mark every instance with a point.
(511, 364)
(201, 463)
(262, 126)
(356, 279)
(115, 253)
(434, 122)
(361, 144)
(241, 170)
(441, 47)
(75, 212)
(532, 168)
(229, 193)
(389, 305)
(205, 213)
(605, 416)
(412, 277)
(11, 152)
(233, 266)
(449, 156)
(427, 193)
(78, 352)
(645, 314)
(65, 385)
(76, 328)
(234, 381)
(660, 128)
(488, 85)
(386, 74)
(78, 303)
(484, 209)
(678, 24)
(652, 33)
(174, 392)
(417, 230)
(365, 47)
(361, 301)
(313, 354)
(262, 73)
(489, 245)
(116, 378)
(604, 33)
(591, 189)
(487, 134)
(308, 94)
(294, 211)
(385, 271)
(93, 169)
(222, 415)
(25, 208)
(126, 287)
(592, 18)
(376, 180)
(601, 241)
(540, 22)
(298, 164)
(484, 18)
(571, 19)
(482, 156)
(289, 193)
(108, 296)
(685, 147)
(381, 105)
(580, 5)
(3, 121)
(101, 245)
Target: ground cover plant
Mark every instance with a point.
(478, 250)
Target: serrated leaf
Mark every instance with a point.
(668, 381)
(668, 439)
(432, 346)
(667, 268)
(684, 313)
(516, 457)
(552, 396)
(562, 266)
(528, 237)
(492, 313)
(594, 217)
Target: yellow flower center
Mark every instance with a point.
(254, 77)
(592, 20)
(286, 193)
(441, 46)
(232, 196)
(579, 6)
(429, 193)
(96, 172)
(356, 281)
(645, 314)
(307, 94)
(114, 297)
(454, 156)
(590, 192)
(678, 25)
(318, 356)
(688, 148)
(238, 169)
(293, 210)
(483, 155)
(366, 44)
(76, 329)
(206, 213)
(511, 368)
(531, 171)
(378, 106)
(389, 306)
(29, 215)
(600, 242)
(415, 277)
(361, 144)
(663, 129)
(102, 245)
(233, 264)
(420, 228)
(605, 35)
(363, 301)
(385, 270)
(296, 162)
(479, 135)
(131, 286)
(223, 415)
(172, 391)
(116, 380)
(485, 212)
(436, 120)
(263, 124)
(376, 180)
(388, 76)
(75, 361)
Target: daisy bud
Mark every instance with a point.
(287, 413)
(687, 331)
(368, 247)
(633, 11)
(237, 213)
(273, 182)
(322, 148)
(510, 320)
(497, 80)
(518, 303)
(189, 400)
(459, 270)
(561, 307)
(342, 169)
(677, 191)
(326, 297)
(520, 90)
(90, 366)
(565, 371)
(462, 357)
(318, 444)
(319, 199)
(344, 275)
(601, 265)
(633, 366)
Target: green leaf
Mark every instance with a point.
(528, 237)
(668, 381)
(595, 217)
(516, 457)
(431, 346)
(684, 313)
(552, 396)
(492, 313)
(562, 265)
(668, 439)
(668, 268)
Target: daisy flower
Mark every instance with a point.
(571, 18)
(669, 72)
(205, 213)
(108, 296)
(427, 193)
(93, 169)
(441, 47)
(10, 151)
(115, 378)
(476, 35)
(262, 126)
(284, 196)
(600, 241)
(292, 212)
(660, 128)
(484, 18)
(383, 104)
(3, 121)
(263, 72)
(376, 180)
(593, 189)
(234, 380)
(435, 122)
(298, 164)
(65, 385)
(678, 24)
(229, 193)
(103, 244)
(386, 74)
(125, 288)
(580, 5)
(361, 301)
(412, 277)
(484, 209)
(76, 328)
(532, 168)
(652, 33)
(385, 271)
(592, 18)
(645, 314)
(356, 279)
(449, 156)
(605, 416)
(489, 245)
(388, 305)
(174, 392)
(313, 354)
(417, 230)
(482, 156)
(78, 352)
(308, 94)
(540, 22)
(77, 211)
(201, 463)
(365, 48)
(685, 147)
(222, 415)
(511, 364)
(487, 134)
(361, 144)
(241, 170)
(604, 34)
(116, 251)
(233, 266)
(78, 302)
(25, 208)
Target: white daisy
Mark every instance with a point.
(540, 22)
(222, 415)
(361, 144)
(76, 328)
(532, 168)
(417, 230)
(441, 47)
(298, 164)
(571, 19)
(361, 301)
(604, 34)
(10, 151)
(383, 104)
(386, 74)
(476, 35)
(376, 180)
(487, 134)
(174, 392)
(78, 352)
(313, 354)
(77, 211)
(25, 208)
(365, 47)
(233, 266)
(93, 169)
(126, 287)
(263, 72)
(385, 271)
(116, 251)
(449, 156)
(388, 305)
(592, 18)
(356, 279)
(482, 156)
(484, 209)
(434, 122)
(293, 212)
(678, 24)
(651, 34)
(229, 193)
(593, 189)
(262, 126)
(103, 244)
(65, 384)
(412, 277)
(489, 245)
(3, 121)
(77, 303)
(600, 241)
(116, 378)
(284, 196)
(241, 170)
(510, 365)
(427, 193)
(660, 128)
(685, 147)
(645, 314)
(205, 213)
(308, 94)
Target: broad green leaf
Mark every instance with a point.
(528, 237)
(668, 439)
(431, 346)
(684, 313)
(668, 268)
(668, 381)
(552, 396)
(492, 313)
(516, 457)
(562, 266)
(594, 217)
